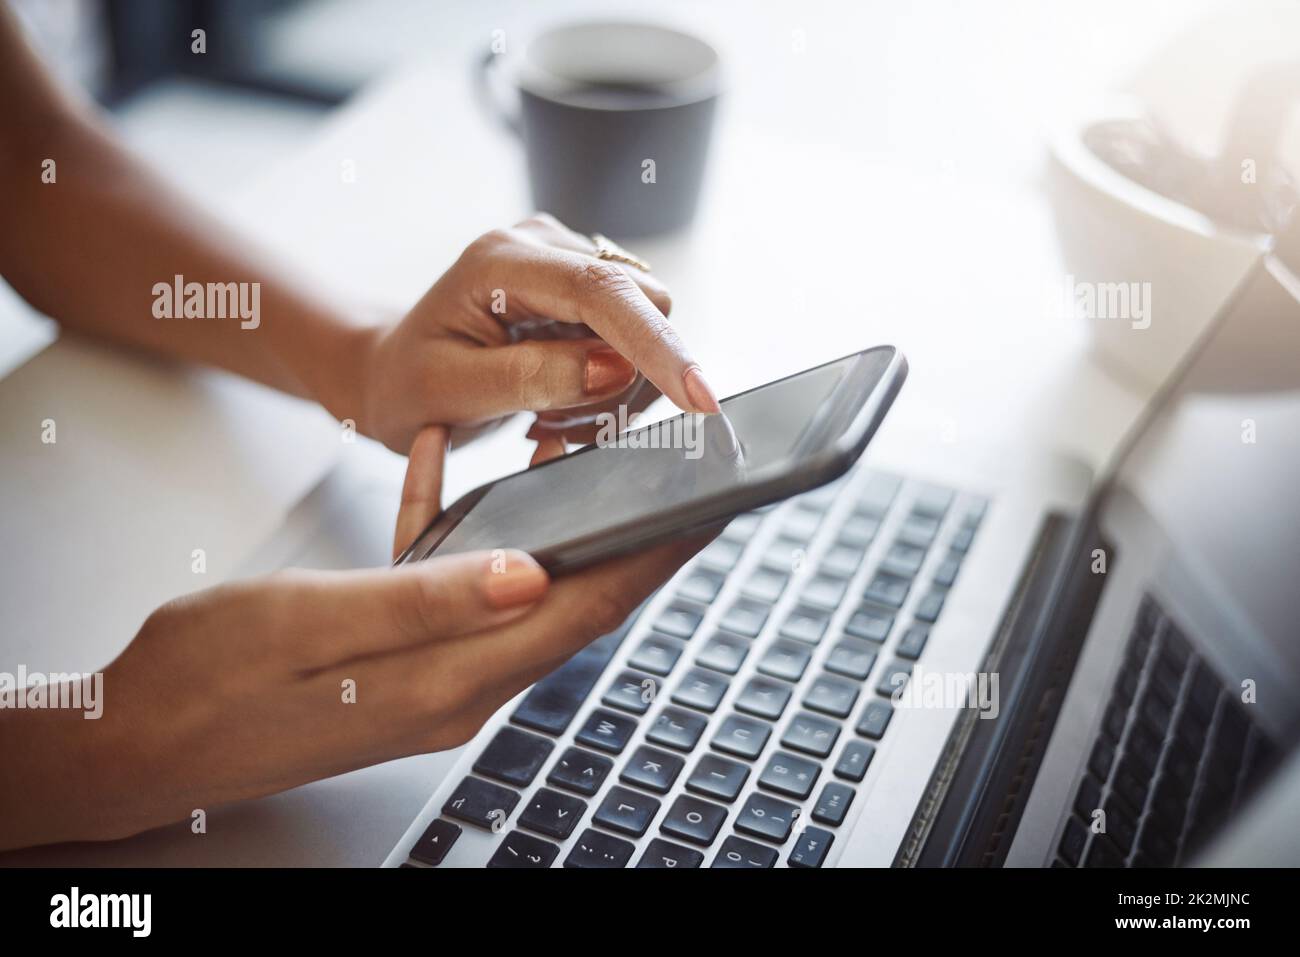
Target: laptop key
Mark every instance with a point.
(1088, 799)
(627, 811)
(811, 734)
(824, 591)
(931, 603)
(554, 701)
(919, 530)
(596, 850)
(766, 584)
(693, 820)
(811, 848)
(742, 528)
(878, 493)
(1102, 853)
(741, 736)
(913, 641)
(854, 760)
(676, 728)
(841, 561)
(806, 625)
(606, 731)
(831, 695)
(665, 854)
(852, 658)
(888, 590)
(524, 851)
(746, 618)
(435, 842)
(720, 555)
(514, 757)
(1121, 824)
(1204, 693)
(903, 560)
(875, 719)
(1103, 756)
(784, 554)
(870, 625)
(1157, 847)
(581, 771)
(894, 677)
(833, 804)
(480, 803)
(552, 813)
(652, 769)
(725, 653)
(820, 499)
(961, 542)
(1130, 781)
(678, 620)
(946, 573)
(790, 775)
(701, 689)
(736, 852)
(766, 817)
(801, 523)
(785, 659)
(932, 501)
(858, 531)
(632, 691)
(764, 698)
(656, 654)
(718, 778)
(975, 509)
(701, 585)
(1146, 748)
(1073, 839)
(1181, 761)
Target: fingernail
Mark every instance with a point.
(606, 371)
(698, 391)
(513, 578)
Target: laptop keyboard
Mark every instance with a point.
(1175, 753)
(738, 726)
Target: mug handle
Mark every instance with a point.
(487, 96)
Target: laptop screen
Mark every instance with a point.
(1217, 467)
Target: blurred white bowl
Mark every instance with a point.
(1112, 229)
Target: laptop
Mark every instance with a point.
(1018, 668)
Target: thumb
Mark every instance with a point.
(422, 490)
(344, 615)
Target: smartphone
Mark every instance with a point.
(640, 487)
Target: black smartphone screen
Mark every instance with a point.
(642, 474)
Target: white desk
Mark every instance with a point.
(802, 252)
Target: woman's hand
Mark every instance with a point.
(528, 319)
(257, 686)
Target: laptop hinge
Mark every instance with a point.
(979, 787)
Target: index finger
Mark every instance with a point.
(572, 287)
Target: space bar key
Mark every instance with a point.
(552, 703)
